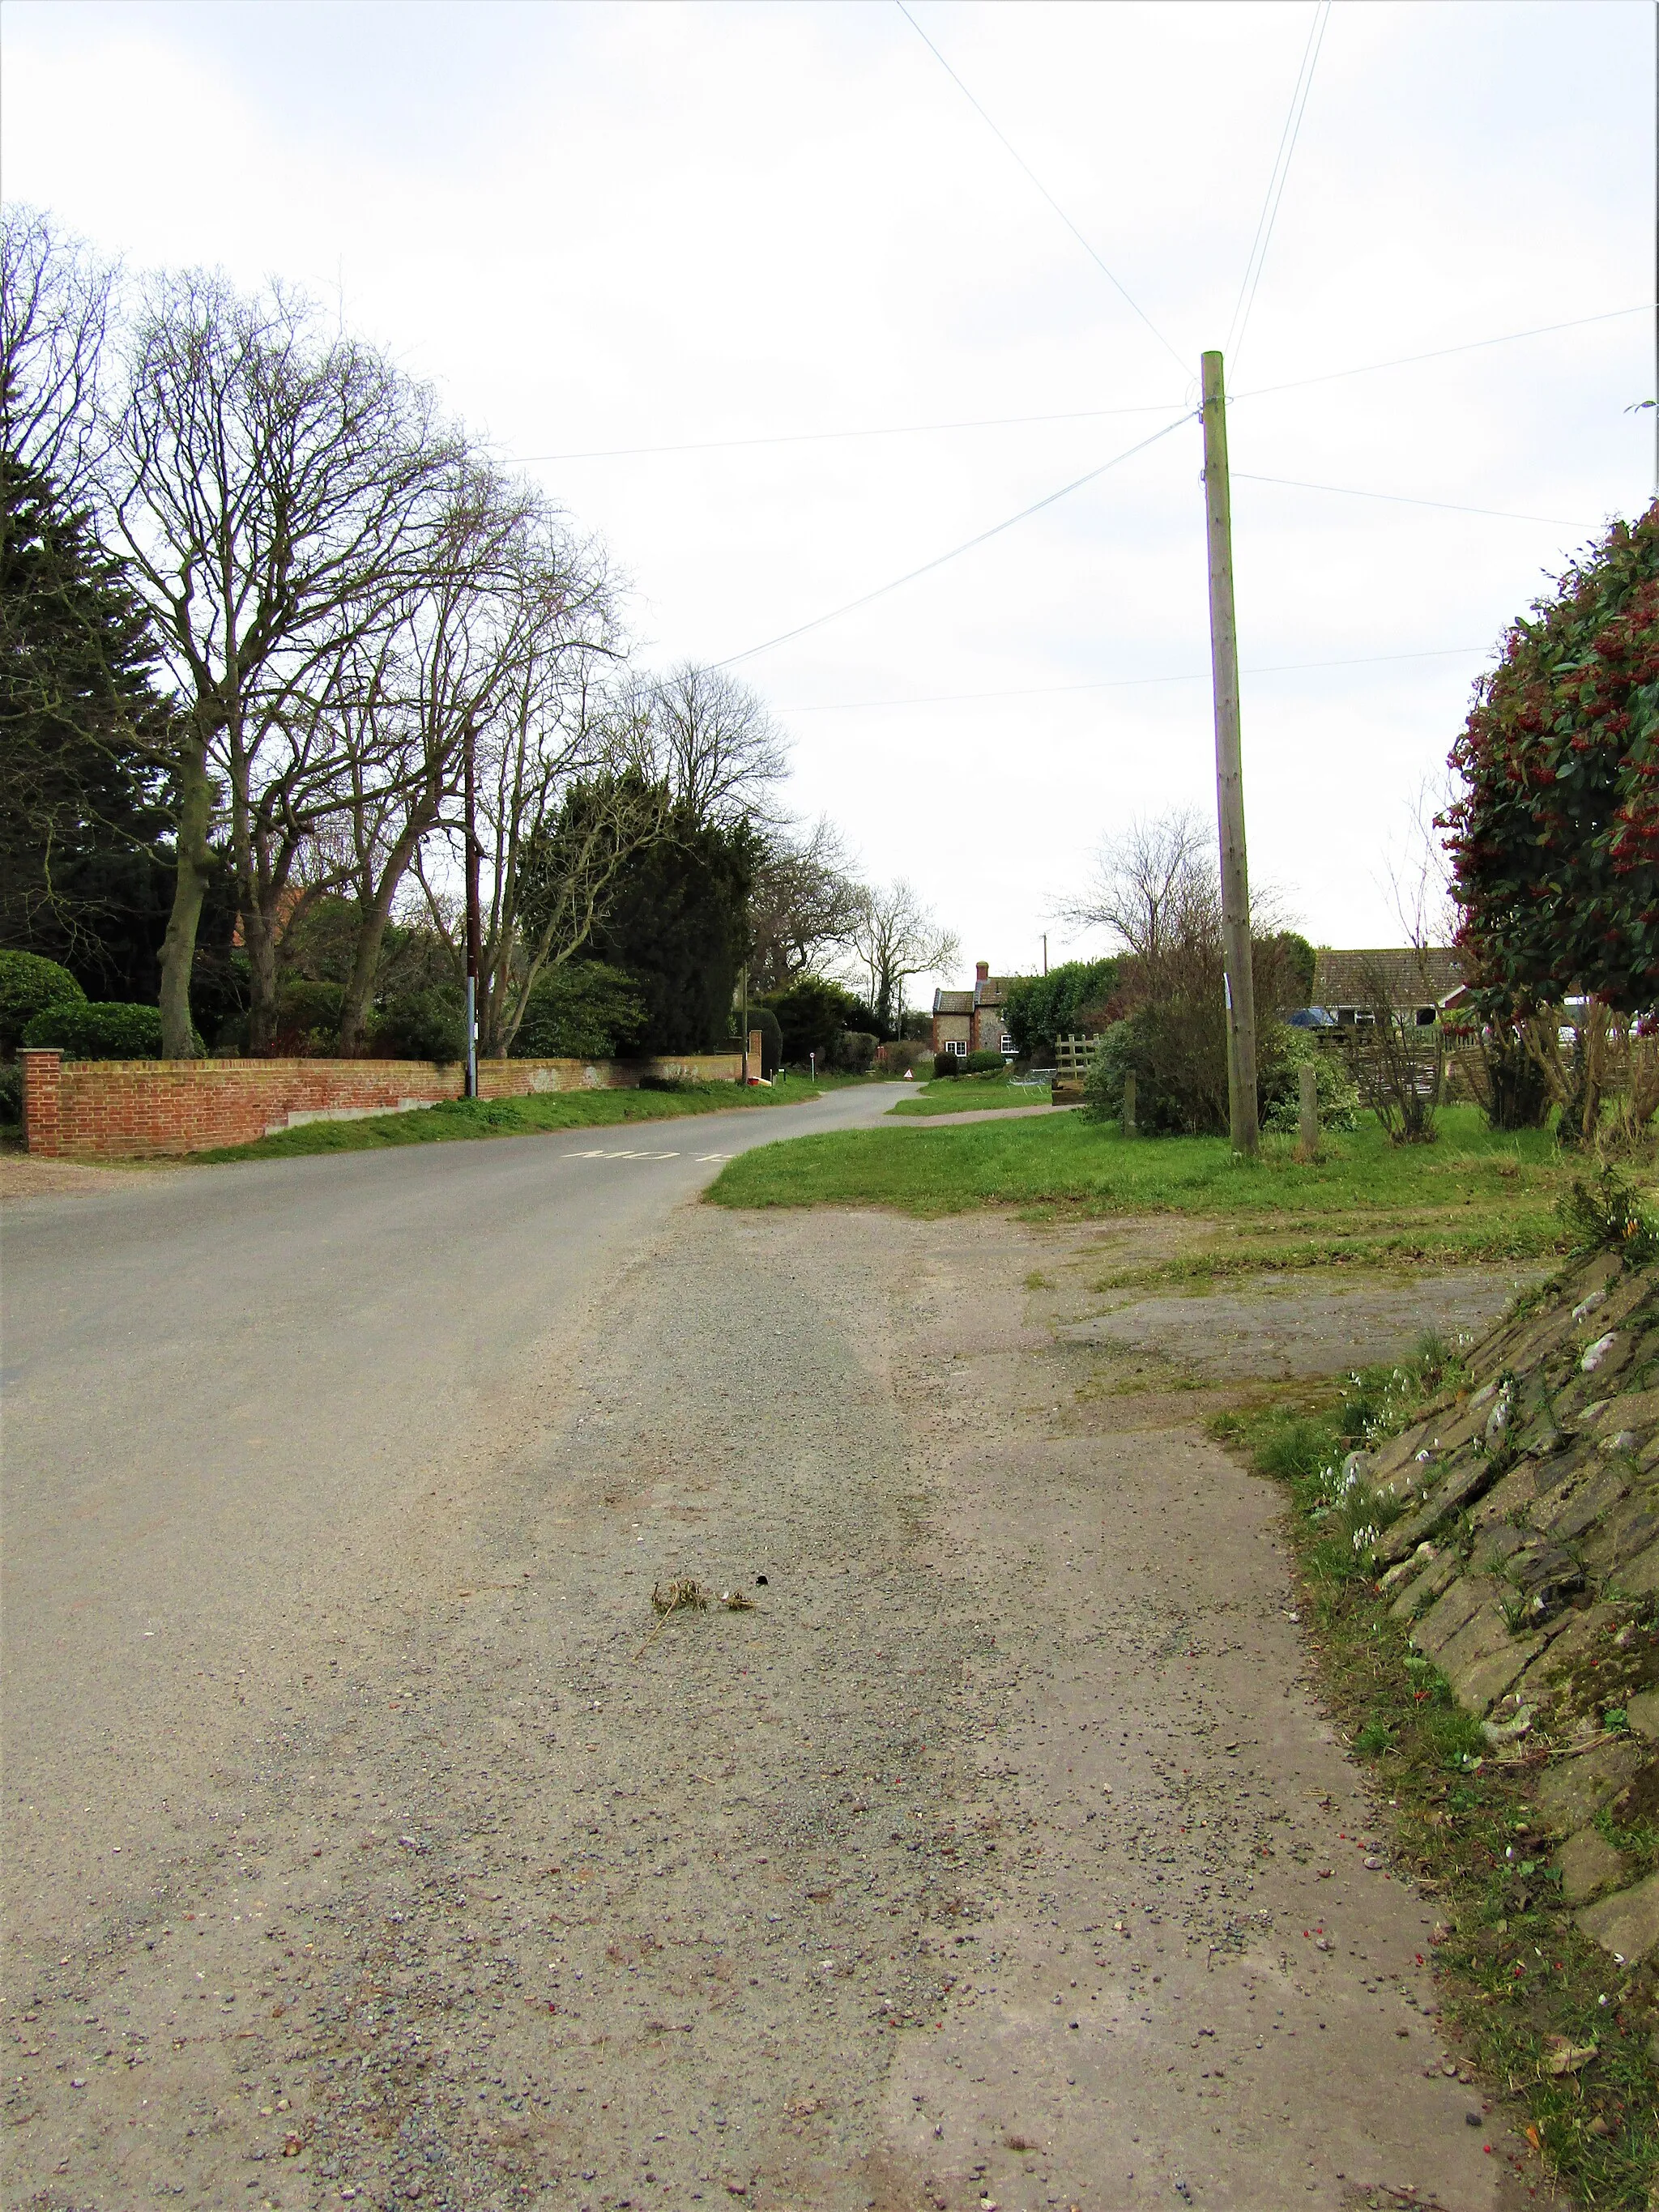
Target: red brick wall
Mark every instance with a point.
(152, 1109)
(42, 1130)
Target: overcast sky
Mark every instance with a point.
(627, 225)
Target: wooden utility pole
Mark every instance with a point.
(1229, 772)
(473, 932)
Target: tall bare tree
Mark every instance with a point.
(1153, 882)
(277, 494)
(718, 748)
(510, 587)
(56, 300)
(894, 937)
(567, 795)
(806, 905)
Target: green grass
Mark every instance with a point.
(829, 1079)
(968, 1094)
(1514, 1970)
(462, 1119)
(1474, 1195)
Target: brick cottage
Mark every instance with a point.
(971, 1021)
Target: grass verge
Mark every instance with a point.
(1536, 2006)
(968, 1094)
(1474, 1195)
(461, 1119)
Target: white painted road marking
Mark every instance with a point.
(622, 1156)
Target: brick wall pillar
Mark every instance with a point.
(43, 1129)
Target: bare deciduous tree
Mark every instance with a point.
(276, 494)
(894, 937)
(1402, 1082)
(806, 905)
(1402, 1073)
(1153, 882)
(54, 305)
(718, 750)
(509, 587)
(1419, 877)
(567, 796)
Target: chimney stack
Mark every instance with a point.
(982, 971)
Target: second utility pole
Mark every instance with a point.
(1229, 772)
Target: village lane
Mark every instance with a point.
(995, 1849)
(223, 1387)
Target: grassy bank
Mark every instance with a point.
(968, 1094)
(465, 1118)
(1473, 1196)
(1520, 1984)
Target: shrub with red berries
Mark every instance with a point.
(1555, 841)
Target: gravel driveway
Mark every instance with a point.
(997, 1851)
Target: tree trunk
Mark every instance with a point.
(195, 866)
(260, 942)
(371, 934)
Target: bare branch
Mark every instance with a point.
(279, 496)
(896, 936)
(1153, 881)
(804, 905)
(718, 748)
(1419, 873)
(55, 300)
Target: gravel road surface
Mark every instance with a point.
(364, 1843)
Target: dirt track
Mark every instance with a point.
(1000, 1851)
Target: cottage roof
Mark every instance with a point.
(1410, 976)
(953, 1002)
(993, 990)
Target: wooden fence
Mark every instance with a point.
(1072, 1055)
(1423, 1048)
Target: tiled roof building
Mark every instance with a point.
(971, 1021)
(1415, 982)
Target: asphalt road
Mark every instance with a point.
(367, 1844)
(224, 1388)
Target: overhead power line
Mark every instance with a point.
(1281, 170)
(1439, 353)
(1009, 146)
(1400, 499)
(1127, 683)
(956, 552)
(879, 430)
(1073, 415)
